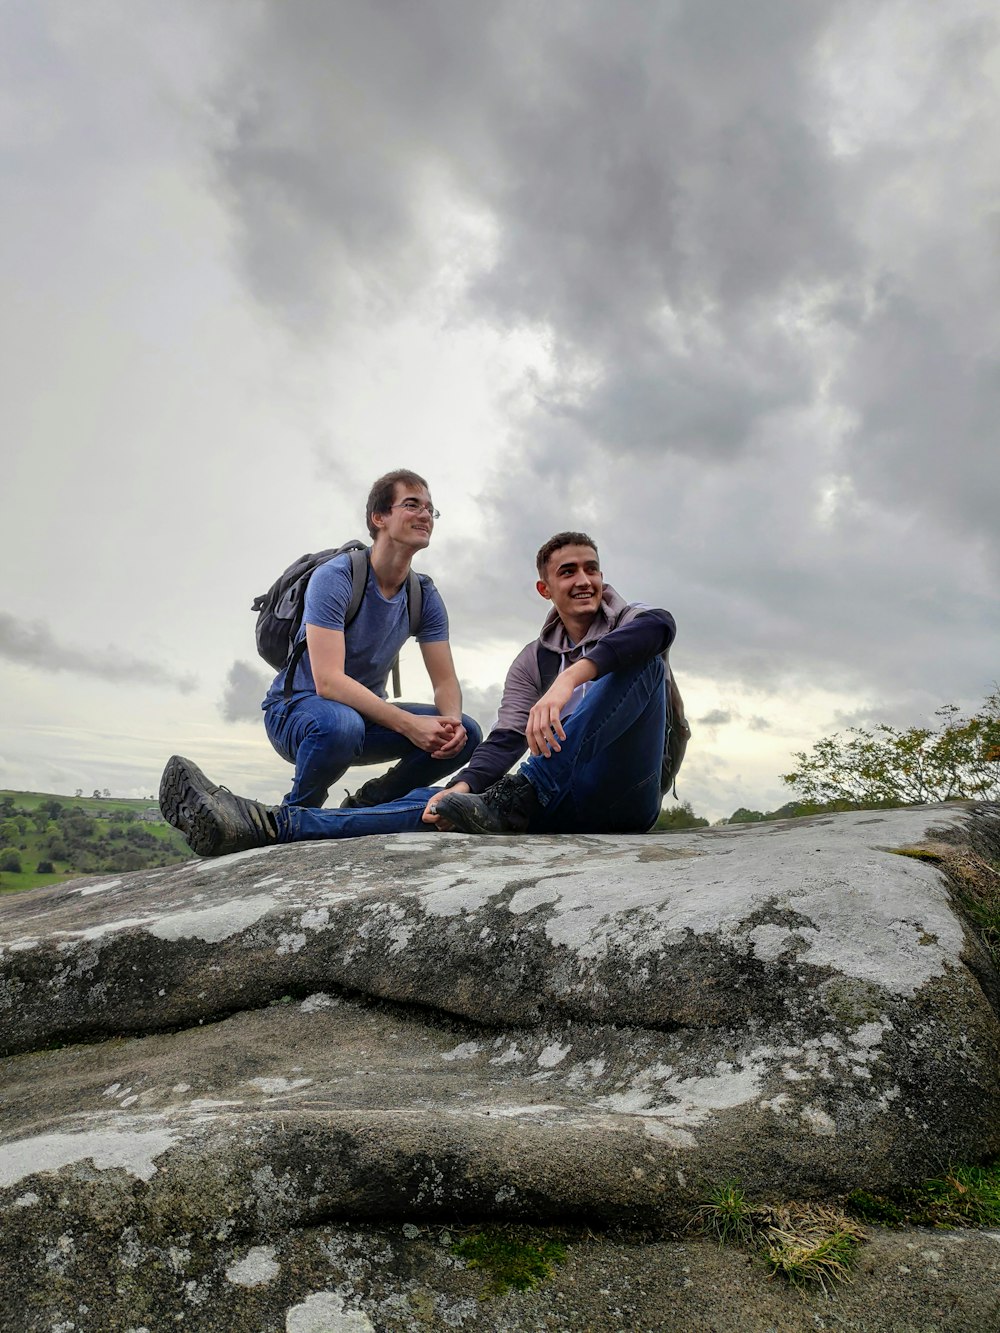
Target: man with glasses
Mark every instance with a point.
(592, 699)
(336, 713)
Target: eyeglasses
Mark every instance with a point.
(417, 507)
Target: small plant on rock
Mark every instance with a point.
(511, 1260)
(803, 1243)
(728, 1215)
(803, 1259)
(965, 1196)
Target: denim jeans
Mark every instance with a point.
(299, 823)
(604, 779)
(323, 739)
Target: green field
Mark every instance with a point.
(80, 835)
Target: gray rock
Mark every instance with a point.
(210, 1064)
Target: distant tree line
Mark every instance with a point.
(37, 838)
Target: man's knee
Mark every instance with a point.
(337, 729)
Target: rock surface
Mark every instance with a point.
(223, 1067)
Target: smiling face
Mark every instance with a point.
(573, 584)
(410, 520)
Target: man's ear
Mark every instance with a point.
(543, 590)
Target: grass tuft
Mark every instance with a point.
(510, 1260)
(803, 1260)
(919, 854)
(965, 1196)
(803, 1243)
(728, 1216)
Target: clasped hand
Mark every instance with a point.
(440, 737)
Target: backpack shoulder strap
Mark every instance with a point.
(359, 581)
(547, 661)
(414, 600)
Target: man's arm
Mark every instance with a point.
(447, 694)
(326, 658)
(646, 634)
(506, 743)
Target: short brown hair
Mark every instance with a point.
(382, 493)
(556, 543)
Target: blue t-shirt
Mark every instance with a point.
(376, 633)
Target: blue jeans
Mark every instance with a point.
(606, 776)
(323, 739)
(299, 823)
(605, 779)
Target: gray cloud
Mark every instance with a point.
(245, 687)
(716, 717)
(482, 704)
(33, 644)
(767, 295)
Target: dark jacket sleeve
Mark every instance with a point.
(506, 743)
(646, 635)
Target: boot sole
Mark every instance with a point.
(182, 807)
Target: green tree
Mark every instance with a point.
(45, 868)
(957, 759)
(11, 862)
(678, 817)
(56, 847)
(745, 816)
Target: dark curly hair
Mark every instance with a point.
(556, 543)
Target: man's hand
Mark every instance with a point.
(430, 815)
(459, 737)
(544, 730)
(434, 735)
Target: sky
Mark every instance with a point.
(715, 282)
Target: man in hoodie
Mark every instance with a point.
(589, 699)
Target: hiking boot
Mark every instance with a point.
(376, 791)
(506, 807)
(212, 819)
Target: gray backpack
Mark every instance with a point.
(279, 610)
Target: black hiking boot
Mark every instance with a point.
(506, 807)
(212, 819)
(376, 791)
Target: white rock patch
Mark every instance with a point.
(255, 1269)
(212, 924)
(97, 888)
(464, 1051)
(324, 1312)
(272, 1086)
(133, 1152)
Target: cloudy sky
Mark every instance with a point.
(715, 281)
